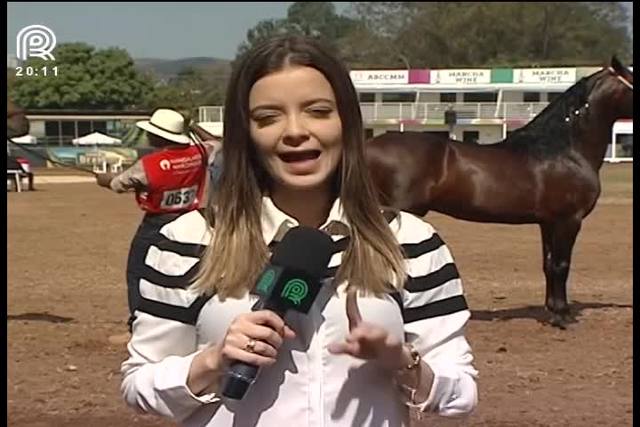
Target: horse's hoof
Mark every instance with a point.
(561, 320)
(558, 321)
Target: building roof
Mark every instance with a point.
(69, 114)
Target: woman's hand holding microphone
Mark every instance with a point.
(253, 338)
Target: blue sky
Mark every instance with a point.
(151, 30)
(148, 30)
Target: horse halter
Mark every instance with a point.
(586, 104)
(622, 79)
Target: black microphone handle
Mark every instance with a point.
(238, 379)
(240, 374)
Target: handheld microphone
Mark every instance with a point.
(291, 281)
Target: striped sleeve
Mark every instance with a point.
(435, 313)
(169, 267)
(164, 337)
(433, 287)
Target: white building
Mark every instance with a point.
(489, 103)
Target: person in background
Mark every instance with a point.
(18, 125)
(167, 183)
(211, 138)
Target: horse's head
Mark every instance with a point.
(619, 86)
(622, 71)
(17, 123)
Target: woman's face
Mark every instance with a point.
(295, 126)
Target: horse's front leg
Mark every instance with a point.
(558, 240)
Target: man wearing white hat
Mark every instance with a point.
(168, 183)
(165, 129)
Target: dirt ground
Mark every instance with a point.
(67, 249)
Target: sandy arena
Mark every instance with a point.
(67, 250)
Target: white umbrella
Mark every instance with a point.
(96, 138)
(26, 139)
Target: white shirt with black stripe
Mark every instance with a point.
(307, 386)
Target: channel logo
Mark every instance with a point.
(35, 41)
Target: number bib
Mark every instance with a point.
(177, 199)
(176, 179)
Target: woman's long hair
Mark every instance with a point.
(373, 260)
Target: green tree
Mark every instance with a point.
(215, 85)
(371, 39)
(116, 81)
(314, 19)
(86, 78)
(190, 89)
(11, 83)
(319, 19)
(472, 34)
(163, 95)
(262, 31)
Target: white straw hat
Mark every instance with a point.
(167, 124)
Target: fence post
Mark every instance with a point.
(613, 150)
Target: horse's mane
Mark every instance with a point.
(549, 133)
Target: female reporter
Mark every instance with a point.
(389, 333)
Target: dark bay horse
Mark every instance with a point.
(544, 173)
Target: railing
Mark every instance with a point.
(52, 141)
(210, 114)
(423, 111)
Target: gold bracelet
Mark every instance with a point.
(416, 359)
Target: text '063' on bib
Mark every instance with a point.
(176, 180)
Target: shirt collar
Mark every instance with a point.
(276, 223)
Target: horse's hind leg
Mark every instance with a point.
(557, 243)
(546, 230)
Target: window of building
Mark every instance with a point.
(368, 133)
(367, 97)
(438, 134)
(531, 97)
(84, 127)
(100, 126)
(624, 145)
(470, 136)
(399, 97)
(68, 129)
(114, 127)
(52, 129)
(448, 97)
(552, 96)
(488, 97)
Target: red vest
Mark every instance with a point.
(176, 180)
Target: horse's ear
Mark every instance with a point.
(617, 65)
